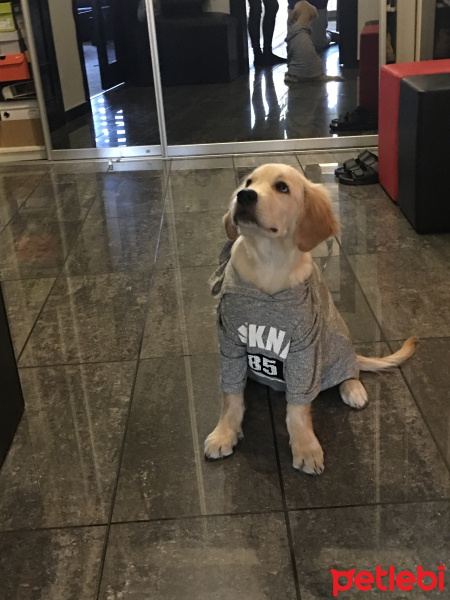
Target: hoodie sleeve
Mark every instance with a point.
(233, 357)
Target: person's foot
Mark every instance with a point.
(272, 59)
(268, 59)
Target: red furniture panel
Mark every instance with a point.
(390, 78)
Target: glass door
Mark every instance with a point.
(97, 77)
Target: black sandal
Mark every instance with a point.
(365, 158)
(364, 175)
(359, 119)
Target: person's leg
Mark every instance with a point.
(319, 30)
(268, 27)
(254, 26)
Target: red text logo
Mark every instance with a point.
(388, 580)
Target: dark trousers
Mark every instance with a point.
(268, 25)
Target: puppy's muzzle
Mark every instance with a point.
(246, 201)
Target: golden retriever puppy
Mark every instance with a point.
(277, 322)
(304, 64)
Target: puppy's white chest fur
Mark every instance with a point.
(271, 265)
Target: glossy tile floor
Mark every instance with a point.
(105, 493)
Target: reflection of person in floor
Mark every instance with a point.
(265, 57)
(319, 35)
(265, 106)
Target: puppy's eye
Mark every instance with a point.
(248, 182)
(282, 187)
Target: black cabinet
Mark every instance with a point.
(11, 399)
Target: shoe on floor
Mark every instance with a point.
(268, 59)
(359, 119)
(362, 176)
(364, 158)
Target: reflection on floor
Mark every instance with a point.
(105, 492)
(256, 106)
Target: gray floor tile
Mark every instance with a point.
(255, 160)
(30, 249)
(52, 564)
(194, 164)
(62, 466)
(93, 318)
(24, 300)
(61, 201)
(191, 239)
(428, 376)
(219, 558)
(407, 291)
(329, 158)
(181, 316)
(200, 190)
(348, 298)
(80, 168)
(15, 187)
(361, 538)
(384, 453)
(130, 194)
(138, 166)
(176, 404)
(114, 246)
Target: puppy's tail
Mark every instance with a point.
(388, 362)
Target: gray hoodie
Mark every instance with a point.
(293, 341)
(303, 60)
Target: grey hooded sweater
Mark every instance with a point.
(293, 341)
(303, 60)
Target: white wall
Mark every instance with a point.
(69, 67)
(221, 6)
(368, 10)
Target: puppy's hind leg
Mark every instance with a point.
(353, 393)
(221, 441)
(306, 450)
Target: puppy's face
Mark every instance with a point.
(276, 201)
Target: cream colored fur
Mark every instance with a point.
(292, 216)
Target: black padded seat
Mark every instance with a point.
(199, 49)
(424, 151)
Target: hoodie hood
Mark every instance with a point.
(226, 280)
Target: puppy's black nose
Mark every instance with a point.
(247, 197)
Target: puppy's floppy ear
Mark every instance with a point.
(230, 229)
(317, 222)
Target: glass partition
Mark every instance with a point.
(231, 71)
(94, 58)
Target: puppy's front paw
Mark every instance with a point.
(353, 393)
(220, 442)
(309, 458)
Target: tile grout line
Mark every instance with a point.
(284, 503)
(82, 222)
(212, 516)
(22, 203)
(387, 342)
(132, 391)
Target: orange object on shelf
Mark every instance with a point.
(14, 67)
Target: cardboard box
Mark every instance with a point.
(14, 67)
(6, 17)
(20, 124)
(9, 43)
